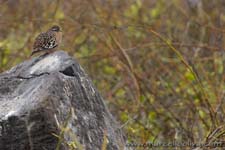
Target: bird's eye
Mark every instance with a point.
(55, 29)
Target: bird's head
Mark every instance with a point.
(55, 28)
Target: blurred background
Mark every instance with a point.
(159, 64)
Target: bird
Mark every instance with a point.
(47, 41)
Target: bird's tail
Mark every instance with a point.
(34, 52)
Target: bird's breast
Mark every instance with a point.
(59, 37)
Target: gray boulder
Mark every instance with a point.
(49, 103)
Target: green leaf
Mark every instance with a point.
(109, 70)
(189, 75)
(151, 115)
(219, 64)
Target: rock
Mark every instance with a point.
(49, 103)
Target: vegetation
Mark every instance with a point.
(159, 64)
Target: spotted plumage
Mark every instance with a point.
(48, 40)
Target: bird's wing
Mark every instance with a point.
(45, 41)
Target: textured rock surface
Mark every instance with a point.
(42, 96)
